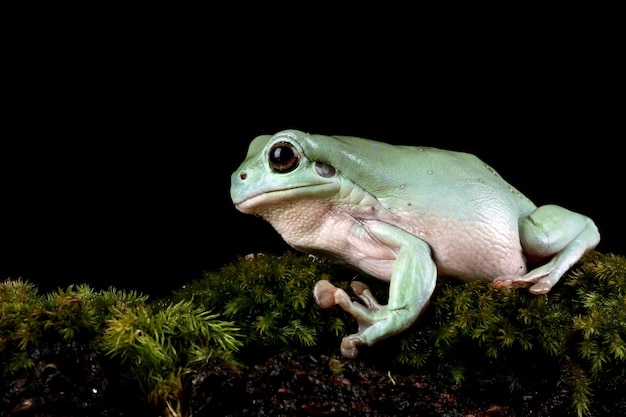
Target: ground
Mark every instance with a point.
(71, 381)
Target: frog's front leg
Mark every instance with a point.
(412, 283)
(555, 233)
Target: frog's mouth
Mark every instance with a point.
(250, 204)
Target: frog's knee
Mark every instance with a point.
(551, 228)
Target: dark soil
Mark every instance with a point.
(70, 380)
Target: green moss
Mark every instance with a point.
(576, 332)
(162, 346)
(18, 303)
(157, 345)
(270, 299)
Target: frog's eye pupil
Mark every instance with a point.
(284, 157)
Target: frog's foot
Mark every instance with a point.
(327, 295)
(538, 281)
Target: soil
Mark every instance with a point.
(70, 380)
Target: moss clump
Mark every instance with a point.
(18, 303)
(157, 345)
(270, 299)
(162, 346)
(574, 335)
(576, 332)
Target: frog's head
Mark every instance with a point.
(278, 169)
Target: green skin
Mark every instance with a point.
(405, 215)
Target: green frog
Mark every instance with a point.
(405, 215)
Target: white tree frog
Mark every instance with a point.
(405, 215)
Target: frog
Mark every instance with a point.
(406, 215)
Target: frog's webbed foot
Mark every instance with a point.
(554, 233)
(327, 295)
(375, 321)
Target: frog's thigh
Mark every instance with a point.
(553, 231)
(412, 283)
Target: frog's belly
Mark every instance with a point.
(460, 249)
(464, 249)
(479, 253)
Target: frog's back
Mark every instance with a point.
(455, 202)
(415, 176)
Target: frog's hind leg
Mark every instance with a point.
(554, 233)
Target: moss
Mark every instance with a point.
(162, 346)
(576, 334)
(158, 346)
(18, 303)
(270, 299)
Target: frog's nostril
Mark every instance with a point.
(243, 175)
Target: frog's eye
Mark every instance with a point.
(284, 157)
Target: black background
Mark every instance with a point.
(120, 135)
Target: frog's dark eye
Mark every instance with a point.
(284, 157)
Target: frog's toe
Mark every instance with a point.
(535, 285)
(504, 282)
(359, 287)
(363, 292)
(324, 294)
(327, 295)
(349, 346)
(509, 281)
(541, 287)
